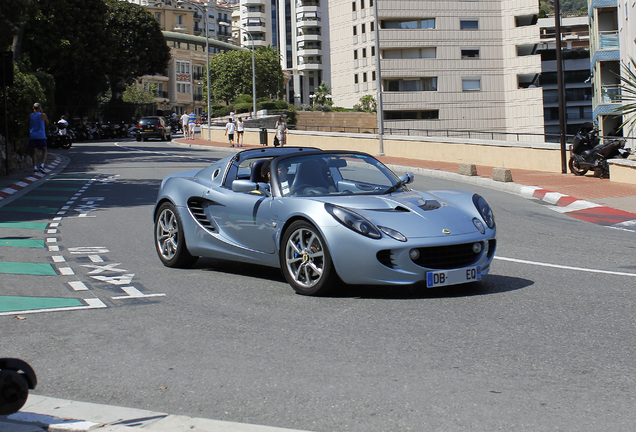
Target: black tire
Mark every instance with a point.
(575, 168)
(169, 239)
(305, 260)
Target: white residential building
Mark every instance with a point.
(445, 65)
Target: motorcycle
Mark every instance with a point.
(59, 136)
(589, 153)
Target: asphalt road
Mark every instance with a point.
(547, 341)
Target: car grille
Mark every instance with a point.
(447, 257)
(197, 209)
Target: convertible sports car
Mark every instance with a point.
(323, 217)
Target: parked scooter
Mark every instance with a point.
(59, 136)
(589, 153)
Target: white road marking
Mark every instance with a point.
(78, 286)
(135, 293)
(587, 270)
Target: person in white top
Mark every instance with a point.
(240, 128)
(184, 123)
(230, 127)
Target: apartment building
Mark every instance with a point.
(183, 25)
(575, 38)
(444, 65)
(612, 44)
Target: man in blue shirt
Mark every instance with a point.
(38, 121)
(192, 121)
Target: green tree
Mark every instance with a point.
(137, 94)
(322, 95)
(367, 103)
(67, 39)
(231, 74)
(137, 46)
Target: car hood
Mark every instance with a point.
(416, 214)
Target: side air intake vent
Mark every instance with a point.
(197, 209)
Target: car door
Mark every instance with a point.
(246, 221)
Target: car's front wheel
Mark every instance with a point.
(169, 238)
(305, 260)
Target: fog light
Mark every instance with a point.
(414, 254)
(477, 247)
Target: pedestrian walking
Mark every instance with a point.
(232, 115)
(184, 124)
(230, 127)
(192, 122)
(38, 121)
(240, 128)
(281, 131)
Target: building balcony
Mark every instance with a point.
(253, 3)
(608, 40)
(610, 93)
(304, 65)
(309, 52)
(306, 21)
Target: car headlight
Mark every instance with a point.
(353, 221)
(484, 210)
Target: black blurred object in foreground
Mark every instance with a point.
(16, 378)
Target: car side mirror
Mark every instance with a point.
(407, 178)
(246, 186)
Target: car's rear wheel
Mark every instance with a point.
(305, 260)
(169, 238)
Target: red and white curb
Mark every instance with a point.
(583, 210)
(19, 185)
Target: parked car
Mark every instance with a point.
(323, 217)
(153, 127)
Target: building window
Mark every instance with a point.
(355, 78)
(363, 28)
(372, 26)
(428, 52)
(184, 87)
(364, 53)
(469, 24)
(428, 23)
(412, 115)
(364, 77)
(411, 85)
(361, 4)
(470, 53)
(353, 6)
(471, 84)
(355, 30)
(355, 54)
(183, 67)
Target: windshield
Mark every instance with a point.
(331, 174)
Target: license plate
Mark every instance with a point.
(148, 130)
(453, 277)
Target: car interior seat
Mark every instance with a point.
(313, 173)
(255, 175)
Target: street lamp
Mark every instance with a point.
(204, 10)
(253, 63)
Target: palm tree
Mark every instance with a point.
(628, 96)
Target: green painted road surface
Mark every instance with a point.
(22, 268)
(15, 304)
(24, 225)
(26, 243)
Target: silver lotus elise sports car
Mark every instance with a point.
(323, 217)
